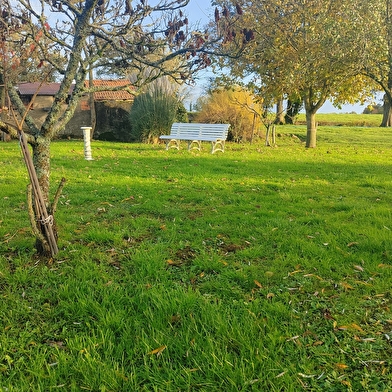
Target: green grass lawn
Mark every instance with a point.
(344, 119)
(259, 269)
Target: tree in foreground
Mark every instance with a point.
(76, 38)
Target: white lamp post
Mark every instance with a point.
(87, 145)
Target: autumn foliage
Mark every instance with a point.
(236, 107)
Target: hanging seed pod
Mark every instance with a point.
(217, 17)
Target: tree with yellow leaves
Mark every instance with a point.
(234, 106)
(303, 50)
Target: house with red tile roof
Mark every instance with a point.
(112, 102)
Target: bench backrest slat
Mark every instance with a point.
(198, 130)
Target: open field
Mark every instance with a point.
(345, 119)
(260, 269)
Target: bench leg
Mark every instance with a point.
(197, 146)
(218, 145)
(173, 143)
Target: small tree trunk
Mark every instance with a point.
(312, 102)
(3, 136)
(279, 112)
(267, 135)
(387, 113)
(274, 135)
(253, 128)
(41, 161)
(311, 129)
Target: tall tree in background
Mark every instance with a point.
(305, 50)
(79, 36)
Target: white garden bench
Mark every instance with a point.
(195, 133)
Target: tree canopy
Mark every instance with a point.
(307, 50)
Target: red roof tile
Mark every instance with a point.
(50, 89)
(117, 95)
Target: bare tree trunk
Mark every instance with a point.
(274, 135)
(3, 136)
(267, 135)
(311, 129)
(279, 112)
(387, 113)
(253, 128)
(312, 103)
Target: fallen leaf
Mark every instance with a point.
(128, 198)
(270, 295)
(346, 286)
(356, 326)
(341, 366)
(173, 263)
(158, 351)
(318, 343)
(343, 328)
(350, 244)
(363, 283)
(294, 272)
(258, 284)
(350, 327)
(358, 268)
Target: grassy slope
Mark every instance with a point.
(256, 269)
